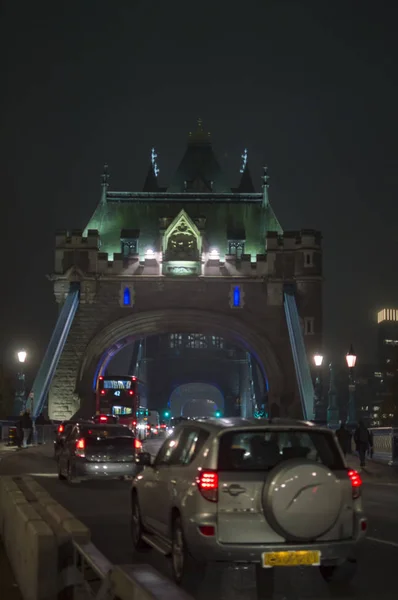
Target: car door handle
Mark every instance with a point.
(234, 490)
(173, 481)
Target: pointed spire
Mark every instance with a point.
(104, 182)
(246, 183)
(199, 136)
(151, 182)
(154, 163)
(265, 186)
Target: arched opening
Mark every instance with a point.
(195, 329)
(196, 400)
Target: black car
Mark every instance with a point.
(62, 432)
(95, 451)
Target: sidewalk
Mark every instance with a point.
(374, 472)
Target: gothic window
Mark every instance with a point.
(127, 295)
(175, 340)
(308, 259)
(309, 328)
(217, 342)
(129, 247)
(236, 248)
(196, 340)
(129, 242)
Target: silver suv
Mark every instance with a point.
(273, 493)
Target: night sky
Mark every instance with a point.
(309, 87)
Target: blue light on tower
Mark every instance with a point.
(126, 297)
(236, 296)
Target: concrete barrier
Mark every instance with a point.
(38, 535)
(50, 552)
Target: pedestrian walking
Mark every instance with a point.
(363, 441)
(344, 438)
(40, 422)
(26, 423)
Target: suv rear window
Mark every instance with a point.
(107, 432)
(262, 449)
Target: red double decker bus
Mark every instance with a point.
(123, 396)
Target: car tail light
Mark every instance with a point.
(356, 483)
(80, 447)
(131, 393)
(102, 392)
(61, 429)
(103, 418)
(100, 377)
(137, 444)
(134, 423)
(207, 530)
(208, 485)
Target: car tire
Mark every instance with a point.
(61, 477)
(186, 571)
(71, 478)
(136, 527)
(339, 575)
(265, 579)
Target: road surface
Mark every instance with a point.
(104, 507)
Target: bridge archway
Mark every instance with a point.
(196, 399)
(116, 335)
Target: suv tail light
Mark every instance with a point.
(356, 482)
(103, 418)
(80, 447)
(207, 482)
(61, 429)
(137, 444)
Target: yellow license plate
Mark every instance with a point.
(296, 558)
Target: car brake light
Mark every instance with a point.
(137, 444)
(207, 530)
(356, 482)
(80, 447)
(100, 377)
(102, 392)
(134, 423)
(102, 418)
(207, 482)
(61, 429)
(131, 393)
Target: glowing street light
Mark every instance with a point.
(22, 356)
(318, 405)
(318, 360)
(351, 358)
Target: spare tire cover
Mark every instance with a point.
(301, 499)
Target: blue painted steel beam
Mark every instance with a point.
(54, 350)
(303, 373)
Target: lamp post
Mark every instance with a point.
(318, 405)
(19, 401)
(333, 410)
(351, 359)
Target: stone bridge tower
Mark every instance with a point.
(197, 257)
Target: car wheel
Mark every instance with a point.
(136, 525)
(339, 574)
(70, 476)
(185, 570)
(61, 477)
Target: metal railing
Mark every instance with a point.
(93, 576)
(385, 444)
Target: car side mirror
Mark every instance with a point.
(144, 459)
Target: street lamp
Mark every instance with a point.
(19, 400)
(351, 359)
(318, 407)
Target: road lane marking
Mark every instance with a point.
(378, 541)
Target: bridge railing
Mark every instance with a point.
(385, 444)
(94, 577)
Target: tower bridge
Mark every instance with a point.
(195, 257)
